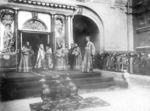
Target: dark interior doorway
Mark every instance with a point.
(83, 26)
(35, 39)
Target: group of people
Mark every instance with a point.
(133, 62)
(62, 58)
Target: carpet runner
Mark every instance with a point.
(69, 104)
(62, 95)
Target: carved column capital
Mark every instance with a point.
(52, 15)
(16, 10)
(66, 17)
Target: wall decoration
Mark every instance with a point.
(8, 38)
(7, 19)
(59, 30)
(35, 25)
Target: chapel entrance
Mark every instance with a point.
(35, 39)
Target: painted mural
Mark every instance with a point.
(8, 40)
(59, 30)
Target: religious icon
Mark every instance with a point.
(59, 30)
(8, 38)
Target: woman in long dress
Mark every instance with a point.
(89, 53)
(25, 61)
(49, 62)
(78, 57)
(40, 61)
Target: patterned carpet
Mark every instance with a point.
(62, 95)
(69, 104)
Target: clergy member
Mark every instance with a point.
(25, 61)
(87, 65)
(78, 57)
(59, 55)
(66, 51)
(49, 62)
(71, 56)
(40, 61)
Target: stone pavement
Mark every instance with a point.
(136, 98)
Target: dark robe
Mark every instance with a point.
(71, 58)
(142, 65)
(136, 61)
(147, 66)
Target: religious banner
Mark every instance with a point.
(7, 36)
(59, 30)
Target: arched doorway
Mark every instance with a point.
(83, 26)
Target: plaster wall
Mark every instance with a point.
(114, 21)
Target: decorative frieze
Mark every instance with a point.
(45, 4)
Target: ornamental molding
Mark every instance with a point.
(35, 25)
(46, 4)
(6, 16)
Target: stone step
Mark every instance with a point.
(24, 86)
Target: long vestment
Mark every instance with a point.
(87, 61)
(78, 58)
(71, 58)
(49, 62)
(40, 61)
(66, 52)
(25, 61)
(60, 60)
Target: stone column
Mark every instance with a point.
(0, 35)
(53, 31)
(70, 31)
(66, 31)
(17, 42)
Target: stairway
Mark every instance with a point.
(16, 85)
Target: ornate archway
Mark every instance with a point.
(87, 12)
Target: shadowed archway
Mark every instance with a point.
(83, 26)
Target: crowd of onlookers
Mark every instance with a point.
(134, 62)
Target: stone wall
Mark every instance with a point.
(141, 23)
(114, 20)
